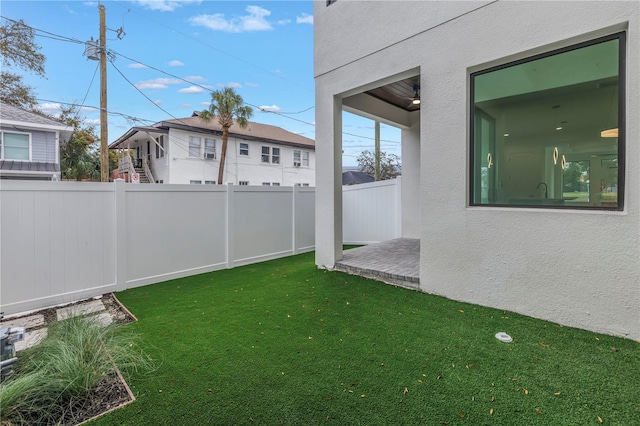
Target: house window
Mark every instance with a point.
(300, 158)
(194, 146)
(209, 148)
(266, 153)
(209, 182)
(548, 131)
(275, 184)
(195, 182)
(16, 146)
(160, 147)
(244, 149)
(243, 183)
(275, 155)
(266, 183)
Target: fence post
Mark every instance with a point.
(121, 235)
(230, 226)
(294, 200)
(398, 202)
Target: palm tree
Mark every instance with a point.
(228, 106)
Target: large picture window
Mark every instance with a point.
(548, 131)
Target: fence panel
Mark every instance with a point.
(174, 231)
(370, 212)
(56, 243)
(65, 241)
(261, 226)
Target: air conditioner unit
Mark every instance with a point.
(296, 164)
(210, 155)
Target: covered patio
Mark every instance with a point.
(394, 262)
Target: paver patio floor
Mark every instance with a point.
(394, 261)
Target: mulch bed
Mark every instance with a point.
(113, 391)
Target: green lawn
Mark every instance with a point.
(282, 342)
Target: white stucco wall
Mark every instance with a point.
(179, 168)
(578, 268)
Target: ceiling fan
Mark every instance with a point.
(415, 99)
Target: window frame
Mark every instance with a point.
(621, 36)
(192, 146)
(209, 150)
(3, 145)
(240, 149)
(275, 157)
(267, 154)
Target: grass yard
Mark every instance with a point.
(282, 342)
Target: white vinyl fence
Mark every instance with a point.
(371, 212)
(65, 241)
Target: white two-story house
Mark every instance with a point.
(187, 151)
(30, 144)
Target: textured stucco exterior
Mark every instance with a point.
(575, 267)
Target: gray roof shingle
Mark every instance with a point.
(12, 113)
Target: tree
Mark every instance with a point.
(227, 106)
(389, 164)
(79, 159)
(18, 49)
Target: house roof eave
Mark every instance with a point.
(147, 130)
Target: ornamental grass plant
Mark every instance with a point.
(55, 381)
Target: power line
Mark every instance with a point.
(278, 113)
(215, 48)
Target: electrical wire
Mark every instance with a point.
(215, 48)
(278, 113)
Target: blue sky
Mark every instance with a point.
(169, 54)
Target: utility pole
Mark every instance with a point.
(104, 134)
(376, 154)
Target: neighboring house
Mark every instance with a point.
(187, 150)
(353, 177)
(521, 163)
(30, 144)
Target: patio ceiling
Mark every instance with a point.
(399, 93)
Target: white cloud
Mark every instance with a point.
(305, 18)
(188, 106)
(255, 20)
(231, 84)
(252, 84)
(50, 107)
(191, 89)
(92, 121)
(272, 108)
(158, 101)
(86, 109)
(205, 104)
(176, 63)
(157, 83)
(165, 5)
(137, 65)
(194, 78)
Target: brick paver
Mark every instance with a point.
(395, 262)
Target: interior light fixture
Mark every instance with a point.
(609, 133)
(506, 135)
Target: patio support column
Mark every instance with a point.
(411, 212)
(328, 180)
